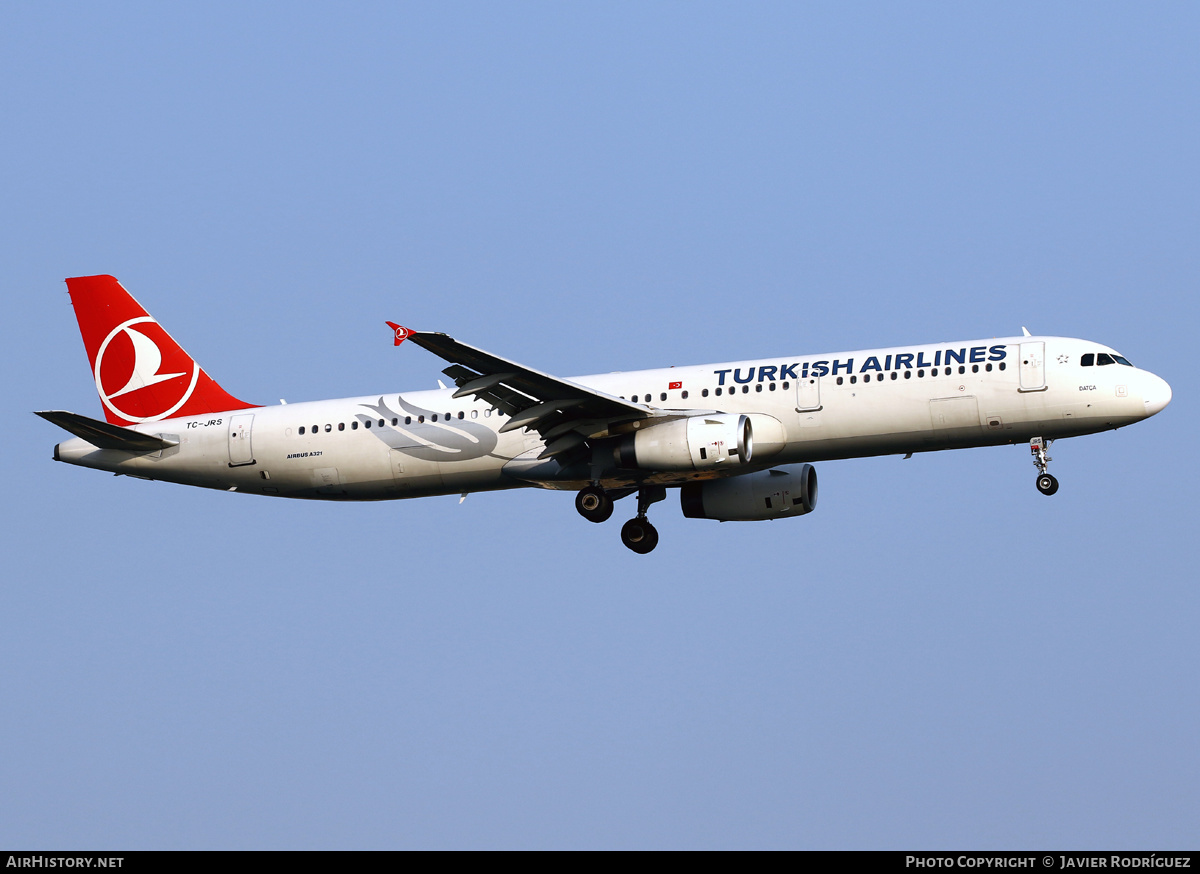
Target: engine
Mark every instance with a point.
(694, 443)
(785, 491)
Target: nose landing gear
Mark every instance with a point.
(1046, 483)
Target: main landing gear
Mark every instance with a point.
(596, 505)
(1046, 483)
(638, 534)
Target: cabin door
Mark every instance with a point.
(1033, 366)
(240, 451)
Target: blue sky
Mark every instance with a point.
(937, 657)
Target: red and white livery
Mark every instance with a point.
(737, 439)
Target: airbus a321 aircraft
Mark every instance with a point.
(737, 439)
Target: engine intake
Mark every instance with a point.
(778, 493)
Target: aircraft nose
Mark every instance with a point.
(1156, 394)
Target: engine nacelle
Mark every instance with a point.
(694, 443)
(785, 491)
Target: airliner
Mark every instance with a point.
(737, 439)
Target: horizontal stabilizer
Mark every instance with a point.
(104, 435)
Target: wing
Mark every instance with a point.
(564, 413)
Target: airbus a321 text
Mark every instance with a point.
(737, 439)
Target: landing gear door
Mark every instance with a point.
(240, 451)
(1033, 366)
(808, 394)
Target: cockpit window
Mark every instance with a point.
(1102, 358)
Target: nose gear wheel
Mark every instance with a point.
(1046, 483)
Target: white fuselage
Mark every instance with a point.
(843, 405)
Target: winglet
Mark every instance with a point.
(1024, 331)
(402, 333)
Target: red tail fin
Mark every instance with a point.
(142, 374)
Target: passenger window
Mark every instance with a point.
(786, 385)
(718, 392)
(301, 430)
(407, 420)
(962, 369)
(461, 414)
(341, 426)
(354, 425)
(758, 387)
(745, 389)
(974, 368)
(1088, 360)
(839, 380)
(683, 394)
(1001, 365)
(894, 375)
(908, 374)
(704, 393)
(988, 368)
(663, 396)
(771, 385)
(433, 418)
(382, 423)
(328, 428)
(420, 420)
(474, 414)
(367, 423)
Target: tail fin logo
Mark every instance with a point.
(134, 363)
